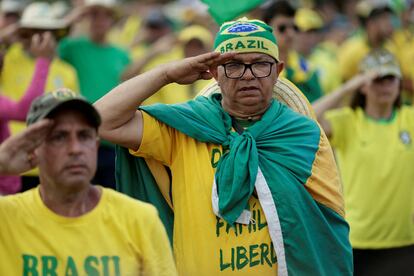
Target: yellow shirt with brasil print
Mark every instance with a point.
(120, 236)
(18, 69)
(376, 163)
(203, 243)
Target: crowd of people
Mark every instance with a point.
(243, 182)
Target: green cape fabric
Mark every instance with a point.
(284, 144)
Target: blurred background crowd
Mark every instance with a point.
(100, 43)
(97, 44)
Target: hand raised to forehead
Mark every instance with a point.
(17, 152)
(190, 69)
(43, 45)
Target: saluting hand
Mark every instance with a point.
(17, 152)
(190, 69)
(43, 45)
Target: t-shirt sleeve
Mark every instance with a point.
(157, 140)
(342, 122)
(64, 49)
(157, 254)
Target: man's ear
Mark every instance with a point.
(214, 72)
(279, 67)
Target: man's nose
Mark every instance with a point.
(75, 146)
(248, 73)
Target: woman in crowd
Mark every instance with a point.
(42, 47)
(373, 143)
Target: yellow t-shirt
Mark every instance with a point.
(17, 72)
(376, 163)
(120, 236)
(205, 245)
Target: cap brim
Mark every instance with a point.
(43, 26)
(76, 104)
(389, 71)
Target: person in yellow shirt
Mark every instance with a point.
(19, 64)
(376, 20)
(281, 16)
(66, 225)
(253, 185)
(373, 141)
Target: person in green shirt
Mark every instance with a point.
(99, 66)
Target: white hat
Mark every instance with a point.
(40, 15)
(7, 6)
(109, 4)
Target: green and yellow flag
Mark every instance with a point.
(226, 10)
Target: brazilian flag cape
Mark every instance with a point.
(309, 237)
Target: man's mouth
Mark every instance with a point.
(248, 88)
(76, 167)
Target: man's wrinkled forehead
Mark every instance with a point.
(66, 116)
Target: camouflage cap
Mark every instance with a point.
(382, 62)
(43, 106)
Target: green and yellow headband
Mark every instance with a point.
(246, 36)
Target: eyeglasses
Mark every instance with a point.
(283, 27)
(236, 70)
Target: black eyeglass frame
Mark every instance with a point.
(248, 66)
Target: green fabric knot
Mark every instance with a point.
(236, 175)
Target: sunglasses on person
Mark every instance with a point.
(282, 28)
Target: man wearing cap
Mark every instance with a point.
(250, 186)
(99, 66)
(66, 225)
(373, 144)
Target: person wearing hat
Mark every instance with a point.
(43, 49)
(319, 54)
(69, 225)
(19, 64)
(99, 66)
(252, 185)
(10, 12)
(377, 30)
(373, 140)
(281, 16)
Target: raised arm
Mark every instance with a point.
(42, 47)
(337, 97)
(121, 122)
